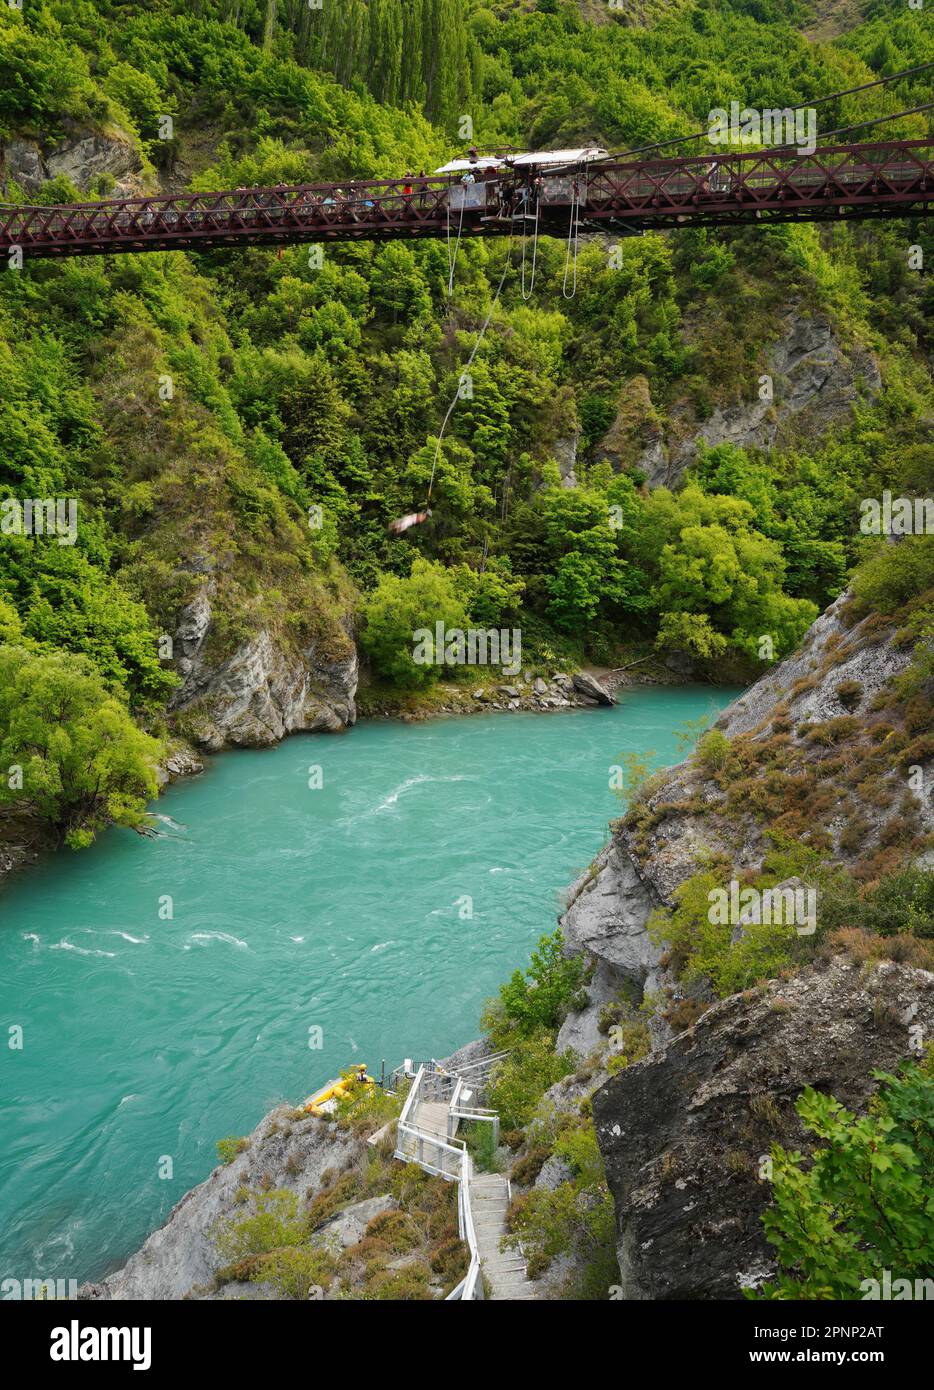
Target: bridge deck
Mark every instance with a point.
(895, 179)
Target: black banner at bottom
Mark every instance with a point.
(71, 1338)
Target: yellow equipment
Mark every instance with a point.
(325, 1100)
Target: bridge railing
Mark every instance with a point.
(836, 169)
(887, 176)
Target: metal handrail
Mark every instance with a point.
(484, 1061)
(410, 1098)
(467, 1288)
(472, 1278)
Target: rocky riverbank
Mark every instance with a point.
(526, 691)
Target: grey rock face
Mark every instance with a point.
(83, 157)
(830, 655)
(467, 1055)
(872, 663)
(554, 1171)
(348, 1228)
(80, 157)
(259, 694)
(565, 454)
(581, 1031)
(681, 1132)
(23, 162)
(588, 685)
(182, 1255)
(181, 762)
(816, 383)
(607, 914)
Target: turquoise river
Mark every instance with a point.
(343, 907)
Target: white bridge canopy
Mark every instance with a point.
(538, 157)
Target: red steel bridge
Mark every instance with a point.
(893, 179)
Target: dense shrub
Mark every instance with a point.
(862, 1206)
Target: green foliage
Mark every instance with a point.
(398, 609)
(272, 1221)
(83, 760)
(542, 996)
(44, 78)
(229, 1148)
(700, 939)
(577, 1216)
(520, 1081)
(635, 775)
(713, 751)
(864, 1204)
(893, 574)
(481, 1141)
(404, 50)
(296, 1271)
(899, 902)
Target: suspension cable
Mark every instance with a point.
(862, 125)
(574, 227)
(818, 101)
(452, 259)
(456, 397)
(538, 203)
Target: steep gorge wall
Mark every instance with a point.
(685, 815)
(682, 1132)
(817, 380)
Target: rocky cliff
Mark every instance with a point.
(683, 1132)
(181, 1258)
(81, 156)
(816, 380)
(819, 748)
(261, 692)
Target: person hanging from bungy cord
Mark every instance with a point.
(403, 523)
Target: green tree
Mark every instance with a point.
(79, 760)
(401, 607)
(865, 1204)
(541, 996)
